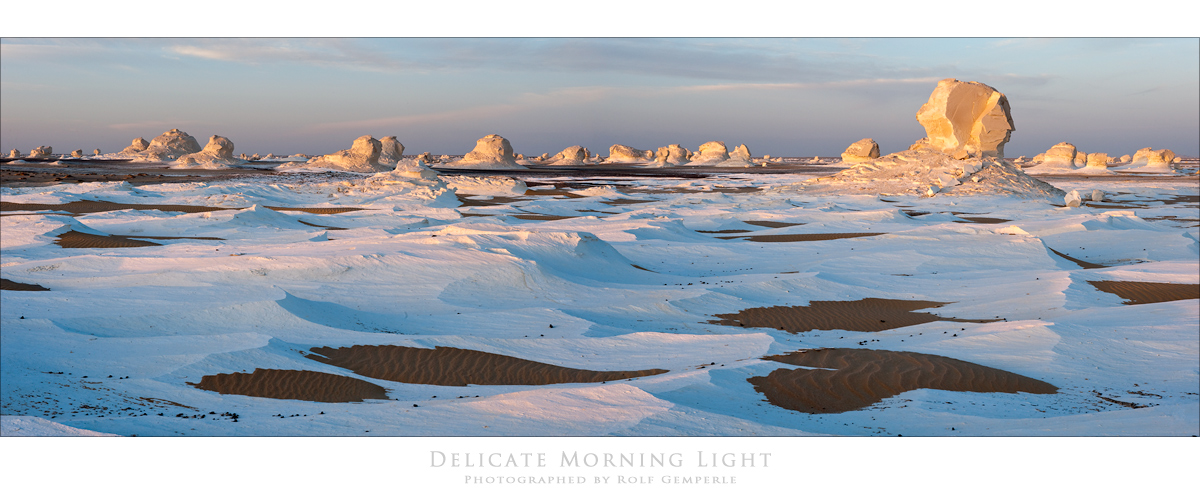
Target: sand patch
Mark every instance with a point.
(447, 366)
(76, 239)
(81, 207)
(1138, 293)
(863, 377)
(616, 202)
(316, 211)
(726, 231)
(771, 224)
(297, 385)
(1076, 261)
(534, 216)
(867, 315)
(495, 201)
(791, 238)
(7, 285)
(982, 220)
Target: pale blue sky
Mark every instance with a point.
(791, 97)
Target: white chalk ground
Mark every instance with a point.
(123, 331)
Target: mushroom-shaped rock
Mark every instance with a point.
(863, 150)
(574, 155)
(492, 152)
(1151, 157)
(41, 152)
(710, 153)
(78, 153)
(624, 154)
(218, 151)
(362, 156)
(1097, 160)
(139, 144)
(671, 155)
(964, 119)
(15, 153)
(1059, 157)
(391, 150)
(171, 145)
(96, 152)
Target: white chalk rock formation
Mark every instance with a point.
(218, 152)
(41, 152)
(739, 158)
(1058, 159)
(863, 150)
(710, 154)
(171, 145)
(1146, 157)
(426, 158)
(1080, 159)
(1072, 199)
(950, 161)
(1125, 158)
(139, 144)
(78, 153)
(1097, 160)
(1097, 195)
(96, 152)
(965, 119)
(15, 153)
(624, 154)
(414, 168)
(391, 151)
(362, 156)
(671, 155)
(571, 156)
(492, 152)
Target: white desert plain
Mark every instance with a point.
(178, 289)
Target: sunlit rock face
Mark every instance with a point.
(15, 153)
(1097, 160)
(863, 150)
(171, 145)
(41, 152)
(362, 156)
(624, 154)
(738, 158)
(965, 119)
(139, 144)
(219, 150)
(1152, 157)
(96, 152)
(78, 153)
(710, 153)
(1063, 153)
(391, 150)
(1080, 158)
(672, 155)
(574, 155)
(491, 152)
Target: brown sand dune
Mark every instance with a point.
(495, 201)
(791, 238)
(316, 211)
(982, 220)
(298, 385)
(319, 226)
(864, 377)
(771, 224)
(866, 315)
(81, 207)
(616, 202)
(458, 367)
(1076, 261)
(1138, 293)
(7, 285)
(75, 239)
(535, 216)
(725, 231)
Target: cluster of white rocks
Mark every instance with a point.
(966, 126)
(169, 146)
(1065, 158)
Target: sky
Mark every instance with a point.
(779, 96)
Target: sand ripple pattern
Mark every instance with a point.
(297, 385)
(867, 315)
(76, 239)
(1138, 293)
(864, 377)
(458, 367)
